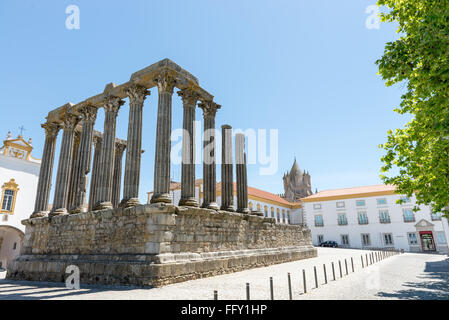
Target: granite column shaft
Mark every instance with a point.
(227, 181)
(189, 99)
(64, 166)
(137, 95)
(165, 83)
(106, 172)
(46, 170)
(242, 179)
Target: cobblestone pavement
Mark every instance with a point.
(406, 276)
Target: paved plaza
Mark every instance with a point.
(406, 276)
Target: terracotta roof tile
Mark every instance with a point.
(350, 192)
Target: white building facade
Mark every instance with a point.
(369, 217)
(270, 204)
(19, 173)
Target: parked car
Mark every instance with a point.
(331, 244)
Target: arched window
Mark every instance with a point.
(258, 207)
(251, 206)
(265, 209)
(272, 212)
(9, 196)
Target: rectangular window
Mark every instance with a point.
(441, 238)
(365, 239)
(384, 216)
(316, 206)
(342, 221)
(409, 216)
(8, 197)
(320, 239)
(436, 216)
(340, 204)
(405, 200)
(388, 239)
(412, 238)
(360, 203)
(363, 218)
(319, 221)
(382, 201)
(345, 239)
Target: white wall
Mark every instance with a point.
(26, 175)
(398, 228)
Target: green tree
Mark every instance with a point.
(420, 60)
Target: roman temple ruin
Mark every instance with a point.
(120, 241)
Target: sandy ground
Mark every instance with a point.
(406, 276)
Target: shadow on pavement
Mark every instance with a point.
(434, 285)
(30, 290)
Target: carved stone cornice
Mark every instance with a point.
(189, 97)
(137, 94)
(51, 129)
(166, 81)
(209, 108)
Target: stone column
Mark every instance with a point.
(106, 167)
(117, 178)
(98, 139)
(227, 178)
(165, 83)
(242, 182)
(64, 166)
(45, 173)
(209, 171)
(137, 95)
(71, 192)
(189, 100)
(88, 115)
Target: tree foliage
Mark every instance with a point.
(420, 60)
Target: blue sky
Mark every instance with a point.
(306, 68)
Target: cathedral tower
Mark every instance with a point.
(297, 184)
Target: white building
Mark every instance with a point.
(19, 173)
(369, 217)
(270, 204)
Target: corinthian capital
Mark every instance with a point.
(88, 112)
(189, 97)
(51, 129)
(70, 121)
(119, 148)
(166, 82)
(209, 108)
(113, 104)
(137, 94)
(98, 139)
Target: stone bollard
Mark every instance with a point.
(304, 280)
(333, 271)
(325, 274)
(290, 286)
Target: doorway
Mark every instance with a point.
(427, 242)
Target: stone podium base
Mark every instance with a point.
(154, 245)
